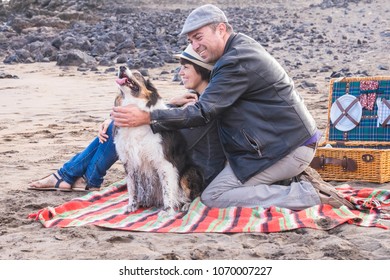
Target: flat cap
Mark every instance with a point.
(202, 16)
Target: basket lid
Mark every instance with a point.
(346, 112)
(371, 128)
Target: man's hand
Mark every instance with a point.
(102, 135)
(184, 99)
(129, 116)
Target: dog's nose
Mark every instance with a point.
(122, 69)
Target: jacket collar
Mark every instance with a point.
(229, 42)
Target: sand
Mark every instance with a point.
(50, 113)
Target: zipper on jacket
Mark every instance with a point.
(252, 142)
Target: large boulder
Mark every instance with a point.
(74, 58)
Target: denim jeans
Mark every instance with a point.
(92, 163)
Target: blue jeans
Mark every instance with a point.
(92, 163)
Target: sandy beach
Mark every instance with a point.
(49, 113)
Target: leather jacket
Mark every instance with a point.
(205, 149)
(261, 117)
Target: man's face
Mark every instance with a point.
(207, 42)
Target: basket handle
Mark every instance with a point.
(347, 164)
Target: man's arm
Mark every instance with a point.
(129, 116)
(224, 89)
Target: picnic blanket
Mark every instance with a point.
(108, 208)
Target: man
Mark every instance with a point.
(267, 133)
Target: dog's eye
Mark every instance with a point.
(138, 76)
(132, 85)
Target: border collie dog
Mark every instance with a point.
(158, 171)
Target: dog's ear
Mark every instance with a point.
(153, 93)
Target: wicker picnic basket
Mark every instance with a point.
(357, 145)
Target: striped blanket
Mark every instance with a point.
(107, 209)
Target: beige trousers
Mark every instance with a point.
(226, 190)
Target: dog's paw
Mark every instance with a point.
(132, 208)
(167, 212)
(185, 207)
(132, 205)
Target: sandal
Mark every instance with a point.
(327, 193)
(55, 188)
(80, 185)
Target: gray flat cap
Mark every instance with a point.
(202, 16)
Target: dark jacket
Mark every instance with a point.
(205, 149)
(261, 117)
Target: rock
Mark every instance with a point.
(122, 58)
(144, 72)
(306, 84)
(7, 76)
(74, 58)
(176, 78)
(57, 42)
(71, 15)
(385, 33)
(125, 46)
(83, 69)
(99, 48)
(118, 32)
(110, 70)
(11, 59)
(106, 62)
(383, 67)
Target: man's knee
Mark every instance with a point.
(206, 199)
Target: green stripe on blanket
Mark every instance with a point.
(107, 209)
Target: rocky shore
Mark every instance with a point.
(145, 34)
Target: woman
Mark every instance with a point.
(86, 170)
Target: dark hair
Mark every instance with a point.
(203, 72)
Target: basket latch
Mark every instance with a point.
(367, 158)
(347, 164)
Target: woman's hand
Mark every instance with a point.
(102, 135)
(184, 99)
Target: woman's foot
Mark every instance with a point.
(81, 185)
(53, 182)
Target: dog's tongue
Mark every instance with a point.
(121, 81)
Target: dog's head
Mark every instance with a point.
(133, 85)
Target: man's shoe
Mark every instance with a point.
(327, 193)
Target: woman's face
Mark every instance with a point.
(190, 78)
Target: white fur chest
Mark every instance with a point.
(137, 146)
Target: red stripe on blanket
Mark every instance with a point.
(108, 208)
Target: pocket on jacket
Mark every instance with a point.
(252, 142)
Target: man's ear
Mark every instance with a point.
(221, 27)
